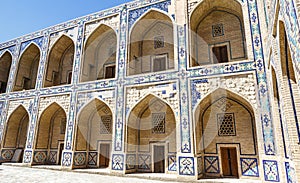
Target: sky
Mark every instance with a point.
(20, 17)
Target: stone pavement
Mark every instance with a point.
(13, 173)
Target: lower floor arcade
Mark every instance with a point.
(224, 132)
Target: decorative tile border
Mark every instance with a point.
(172, 163)
(186, 166)
(211, 164)
(137, 13)
(263, 94)
(118, 162)
(271, 171)
(144, 162)
(80, 159)
(130, 161)
(249, 167)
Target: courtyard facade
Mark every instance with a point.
(193, 88)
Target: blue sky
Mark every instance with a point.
(20, 17)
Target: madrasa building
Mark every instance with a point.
(194, 88)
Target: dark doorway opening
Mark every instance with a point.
(104, 155)
(159, 159)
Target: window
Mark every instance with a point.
(26, 83)
(159, 42)
(217, 30)
(226, 124)
(110, 71)
(159, 63)
(220, 54)
(158, 122)
(105, 124)
(3, 87)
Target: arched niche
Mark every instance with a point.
(151, 132)
(94, 135)
(27, 69)
(99, 58)
(151, 44)
(51, 134)
(5, 64)
(217, 33)
(60, 63)
(16, 134)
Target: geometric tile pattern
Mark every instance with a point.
(136, 13)
(265, 113)
(92, 160)
(184, 95)
(271, 171)
(67, 159)
(7, 154)
(172, 164)
(27, 156)
(249, 167)
(144, 162)
(290, 173)
(40, 157)
(118, 162)
(186, 166)
(211, 164)
(79, 158)
(52, 157)
(130, 161)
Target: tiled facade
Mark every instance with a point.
(254, 96)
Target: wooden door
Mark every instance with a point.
(104, 155)
(159, 159)
(229, 162)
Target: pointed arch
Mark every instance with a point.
(225, 91)
(217, 33)
(4, 52)
(150, 123)
(26, 74)
(15, 135)
(94, 133)
(60, 62)
(151, 43)
(99, 57)
(51, 127)
(146, 97)
(5, 65)
(16, 128)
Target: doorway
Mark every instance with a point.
(229, 162)
(104, 155)
(159, 159)
(61, 148)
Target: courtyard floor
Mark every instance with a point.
(14, 173)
